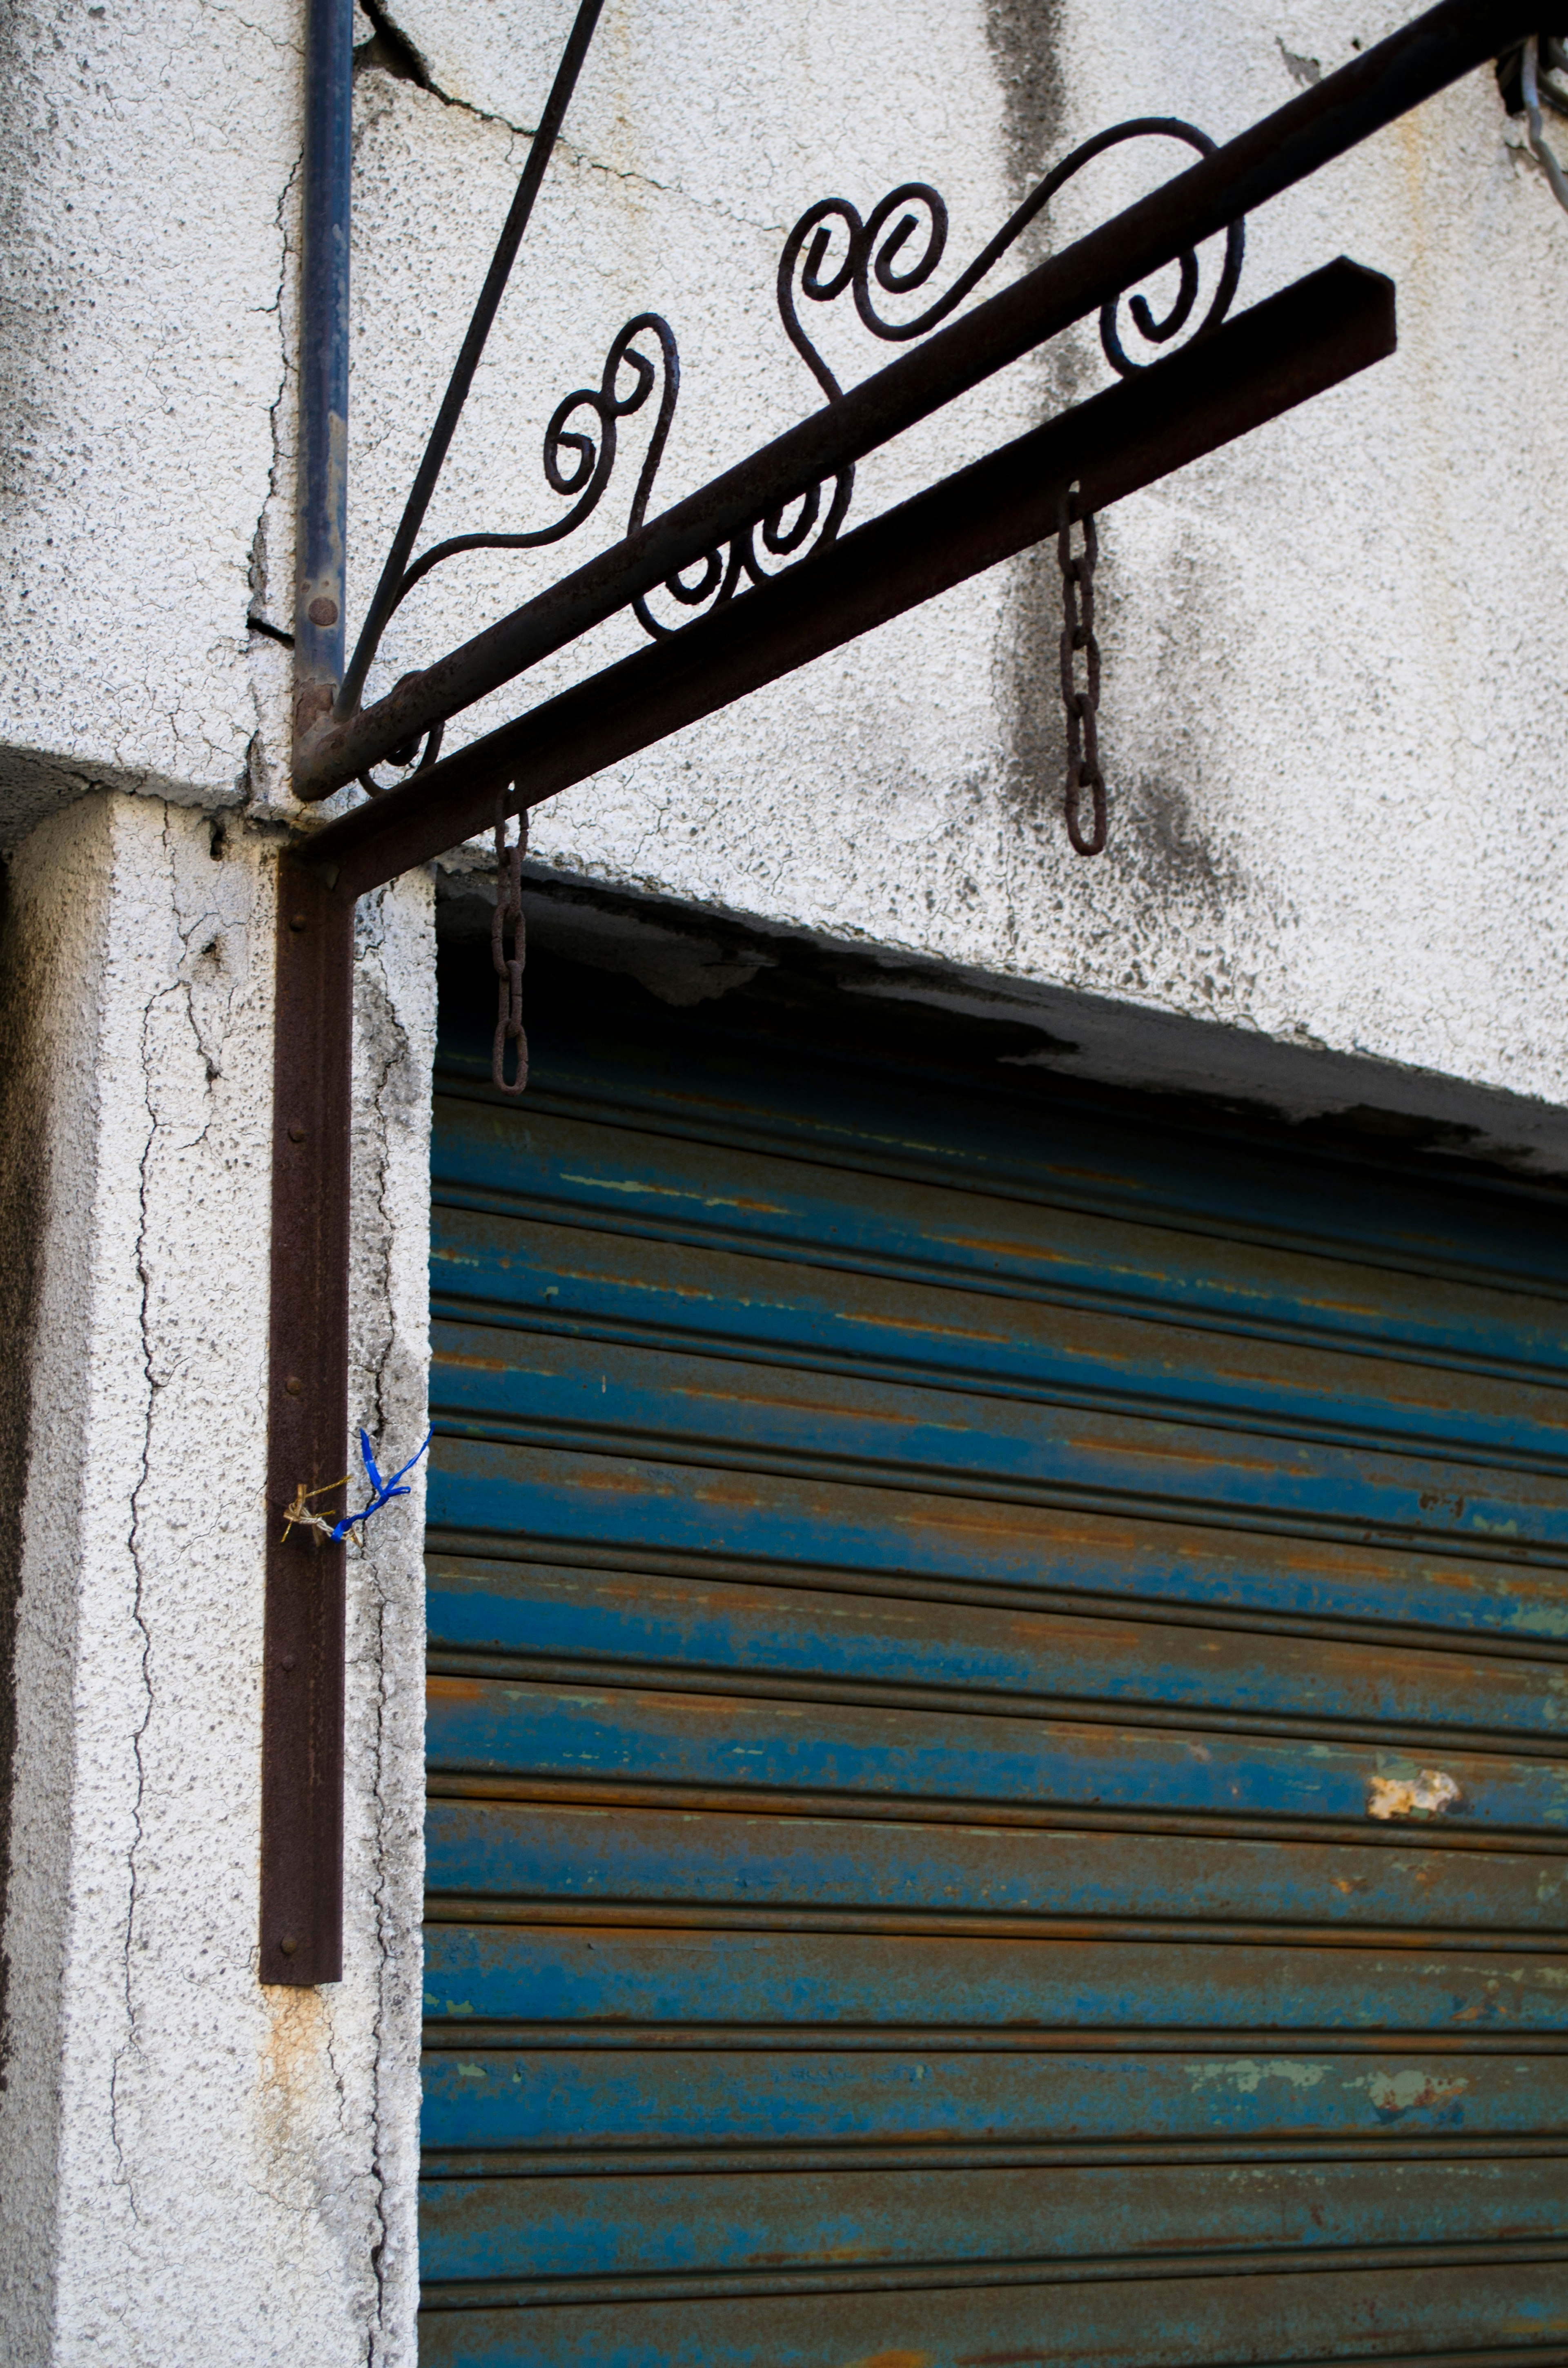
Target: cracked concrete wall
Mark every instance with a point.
(146, 156)
(208, 2169)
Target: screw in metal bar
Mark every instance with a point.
(509, 966)
(1081, 705)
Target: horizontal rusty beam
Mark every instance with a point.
(1346, 107)
(1283, 351)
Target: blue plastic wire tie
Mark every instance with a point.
(383, 1491)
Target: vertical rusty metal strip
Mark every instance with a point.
(301, 1754)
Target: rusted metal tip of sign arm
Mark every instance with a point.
(1280, 353)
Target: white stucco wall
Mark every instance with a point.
(148, 157)
(208, 2169)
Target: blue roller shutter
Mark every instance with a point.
(999, 1675)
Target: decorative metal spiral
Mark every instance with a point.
(895, 249)
(877, 253)
(874, 250)
(781, 535)
(579, 460)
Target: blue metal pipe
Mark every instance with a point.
(322, 488)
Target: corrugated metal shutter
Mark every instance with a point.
(931, 1589)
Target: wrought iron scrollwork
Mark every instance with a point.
(875, 250)
(877, 255)
(893, 251)
(781, 535)
(405, 755)
(579, 460)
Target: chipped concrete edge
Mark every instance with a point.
(685, 952)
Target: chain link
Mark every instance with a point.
(1082, 705)
(509, 966)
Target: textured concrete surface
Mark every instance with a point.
(210, 2168)
(147, 155)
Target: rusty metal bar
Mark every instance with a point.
(302, 1753)
(1423, 58)
(1282, 352)
(301, 1719)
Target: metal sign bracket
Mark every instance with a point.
(761, 553)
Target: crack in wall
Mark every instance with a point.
(132, 2044)
(203, 989)
(261, 775)
(392, 52)
(259, 556)
(390, 49)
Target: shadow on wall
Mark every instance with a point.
(1161, 855)
(22, 1197)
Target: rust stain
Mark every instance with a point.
(1010, 1246)
(616, 1480)
(638, 1188)
(1185, 1459)
(1006, 2360)
(1394, 2094)
(742, 1491)
(807, 1402)
(298, 2036)
(294, 2076)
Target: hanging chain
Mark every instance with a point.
(1082, 706)
(509, 967)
